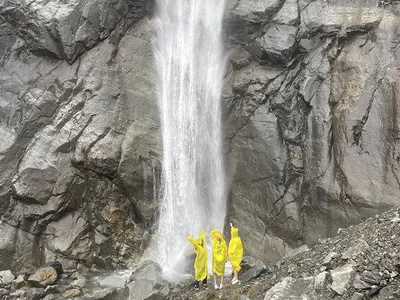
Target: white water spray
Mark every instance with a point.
(188, 52)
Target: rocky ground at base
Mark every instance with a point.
(51, 282)
(360, 262)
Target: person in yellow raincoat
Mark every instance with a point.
(219, 256)
(201, 262)
(235, 252)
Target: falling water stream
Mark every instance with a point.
(188, 53)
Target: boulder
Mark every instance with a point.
(289, 288)
(248, 262)
(321, 281)
(6, 277)
(19, 282)
(80, 283)
(20, 293)
(146, 282)
(252, 268)
(103, 294)
(144, 289)
(147, 270)
(114, 280)
(253, 273)
(341, 278)
(43, 277)
(72, 292)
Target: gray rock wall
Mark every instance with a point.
(310, 121)
(311, 118)
(80, 146)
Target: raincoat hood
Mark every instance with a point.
(234, 232)
(219, 235)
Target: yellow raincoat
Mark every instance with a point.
(201, 262)
(235, 250)
(219, 252)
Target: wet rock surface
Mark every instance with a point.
(79, 136)
(43, 277)
(311, 126)
(325, 271)
(308, 119)
(146, 282)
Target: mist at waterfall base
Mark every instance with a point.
(188, 57)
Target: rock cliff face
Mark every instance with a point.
(312, 122)
(310, 114)
(80, 146)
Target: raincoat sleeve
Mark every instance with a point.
(193, 242)
(203, 237)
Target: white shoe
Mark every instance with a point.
(220, 286)
(216, 286)
(234, 281)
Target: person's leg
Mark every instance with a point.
(222, 282)
(235, 276)
(235, 273)
(205, 283)
(215, 280)
(196, 284)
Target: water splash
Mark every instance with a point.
(188, 53)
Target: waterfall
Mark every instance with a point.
(188, 55)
